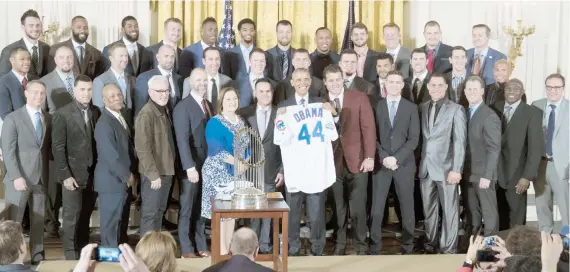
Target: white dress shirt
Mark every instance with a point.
(167, 74)
(298, 98)
(204, 45)
(119, 117)
(421, 77)
(19, 76)
(394, 52)
(75, 45)
(210, 85)
(198, 99)
(30, 46)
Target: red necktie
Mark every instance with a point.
(205, 108)
(384, 92)
(24, 83)
(430, 60)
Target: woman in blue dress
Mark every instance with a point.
(218, 170)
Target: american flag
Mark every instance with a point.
(227, 38)
(346, 42)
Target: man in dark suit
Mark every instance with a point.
(456, 78)
(13, 249)
(39, 51)
(236, 60)
(190, 118)
(88, 59)
(348, 64)
(522, 149)
(156, 153)
(74, 152)
(13, 84)
(115, 168)
(284, 90)
(166, 61)
(443, 153)
(244, 249)
(130, 30)
(366, 56)
(400, 54)
(481, 59)
(354, 158)
(495, 92)
(481, 159)
(395, 116)
(119, 57)
(322, 56)
(384, 65)
(418, 82)
(26, 137)
(437, 53)
(172, 35)
(279, 58)
(257, 64)
(191, 56)
(260, 118)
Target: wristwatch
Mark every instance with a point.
(468, 263)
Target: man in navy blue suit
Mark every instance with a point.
(257, 64)
(481, 59)
(130, 29)
(115, 167)
(236, 60)
(191, 56)
(13, 83)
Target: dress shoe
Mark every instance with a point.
(191, 256)
(339, 252)
(315, 254)
(204, 254)
(169, 226)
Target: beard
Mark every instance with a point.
(32, 38)
(283, 43)
(78, 39)
(131, 38)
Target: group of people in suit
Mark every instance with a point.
(434, 119)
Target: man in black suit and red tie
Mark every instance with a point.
(130, 29)
(437, 52)
(395, 117)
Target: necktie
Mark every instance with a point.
(253, 86)
(337, 105)
(205, 109)
(214, 99)
(285, 65)
(392, 112)
(302, 101)
(432, 116)
(430, 60)
(507, 114)
(24, 83)
(80, 54)
(263, 124)
(123, 86)
(35, 58)
(346, 83)
(384, 92)
(476, 65)
(550, 129)
(470, 113)
(418, 83)
(133, 54)
(123, 122)
(85, 116)
(39, 128)
(69, 85)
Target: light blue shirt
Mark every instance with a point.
(245, 52)
(547, 111)
(473, 109)
(482, 55)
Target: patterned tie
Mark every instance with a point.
(346, 83)
(285, 65)
(430, 60)
(392, 112)
(35, 58)
(302, 101)
(550, 129)
(69, 85)
(24, 83)
(263, 124)
(507, 114)
(39, 128)
(476, 65)
(80, 54)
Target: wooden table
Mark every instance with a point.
(275, 210)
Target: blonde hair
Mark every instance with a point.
(158, 251)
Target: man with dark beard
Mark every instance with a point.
(88, 59)
(130, 29)
(236, 60)
(279, 58)
(38, 50)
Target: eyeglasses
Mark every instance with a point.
(554, 88)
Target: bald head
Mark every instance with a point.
(166, 57)
(113, 97)
(64, 59)
(244, 242)
(199, 81)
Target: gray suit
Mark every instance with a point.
(443, 151)
(481, 160)
(25, 158)
(57, 95)
(553, 174)
(362, 85)
(109, 78)
(403, 61)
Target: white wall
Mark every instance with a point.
(104, 18)
(544, 52)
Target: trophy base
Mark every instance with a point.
(249, 201)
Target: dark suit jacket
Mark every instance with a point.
(291, 101)
(129, 69)
(246, 90)
(148, 59)
(141, 89)
(403, 61)
(483, 144)
(414, 95)
(357, 132)
(401, 140)
(360, 84)
(495, 92)
(457, 96)
(12, 93)
(377, 93)
(369, 73)
(15, 268)
(233, 64)
(93, 63)
(317, 70)
(273, 164)
(190, 130)
(116, 158)
(238, 263)
(191, 57)
(275, 63)
(73, 143)
(522, 144)
(285, 90)
(43, 54)
(441, 60)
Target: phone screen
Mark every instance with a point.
(106, 254)
(487, 256)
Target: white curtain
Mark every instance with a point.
(104, 18)
(544, 52)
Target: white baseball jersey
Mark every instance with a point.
(304, 133)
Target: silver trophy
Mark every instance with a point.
(249, 161)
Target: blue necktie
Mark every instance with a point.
(39, 128)
(392, 112)
(123, 86)
(550, 130)
(471, 110)
(302, 101)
